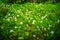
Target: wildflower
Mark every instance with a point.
(17, 15)
(37, 37)
(15, 18)
(11, 31)
(52, 32)
(43, 17)
(34, 35)
(21, 22)
(44, 29)
(8, 19)
(50, 25)
(33, 22)
(38, 27)
(15, 26)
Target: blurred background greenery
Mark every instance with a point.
(29, 19)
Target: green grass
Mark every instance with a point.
(29, 21)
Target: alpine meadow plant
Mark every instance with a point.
(30, 21)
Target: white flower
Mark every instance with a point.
(33, 22)
(38, 27)
(40, 4)
(43, 17)
(34, 35)
(15, 26)
(50, 25)
(30, 11)
(21, 22)
(17, 15)
(52, 32)
(37, 37)
(15, 18)
(44, 29)
(11, 30)
(8, 19)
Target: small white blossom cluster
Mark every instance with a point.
(33, 22)
(21, 23)
(52, 32)
(15, 19)
(8, 19)
(43, 17)
(18, 15)
(11, 31)
(34, 35)
(15, 27)
(38, 28)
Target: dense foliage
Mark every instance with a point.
(24, 1)
(29, 21)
